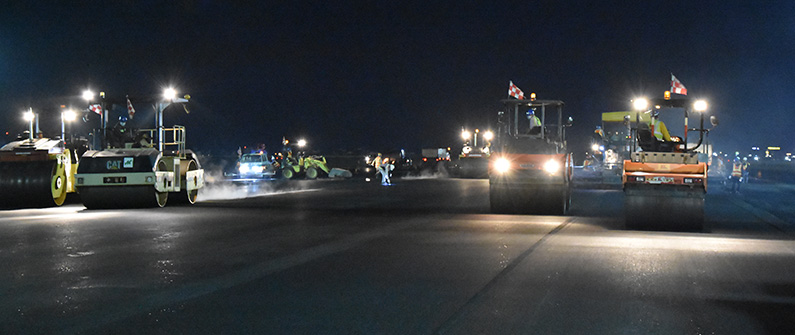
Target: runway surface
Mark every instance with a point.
(421, 256)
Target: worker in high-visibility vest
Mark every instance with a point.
(746, 165)
(377, 165)
(737, 174)
(658, 127)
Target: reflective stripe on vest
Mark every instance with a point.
(737, 170)
(656, 130)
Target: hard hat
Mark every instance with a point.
(379, 154)
(655, 113)
(530, 112)
(122, 118)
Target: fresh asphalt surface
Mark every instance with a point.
(422, 256)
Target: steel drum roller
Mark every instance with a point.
(33, 183)
(118, 195)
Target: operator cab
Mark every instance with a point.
(667, 110)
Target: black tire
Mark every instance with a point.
(311, 173)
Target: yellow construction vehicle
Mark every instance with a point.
(36, 171)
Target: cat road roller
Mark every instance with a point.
(35, 172)
(136, 173)
(665, 182)
(530, 167)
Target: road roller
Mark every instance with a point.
(473, 161)
(665, 179)
(35, 172)
(139, 172)
(530, 167)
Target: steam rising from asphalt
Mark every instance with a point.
(218, 187)
(439, 173)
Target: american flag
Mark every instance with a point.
(96, 108)
(515, 91)
(677, 87)
(130, 109)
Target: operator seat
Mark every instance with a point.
(646, 139)
(648, 142)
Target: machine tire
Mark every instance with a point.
(288, 173)
(311, 173)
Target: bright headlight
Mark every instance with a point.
(502, 165)
(595, 147)
(243, 168)
(467, 149)
(552, 166)
(700, 105)
(640, 104)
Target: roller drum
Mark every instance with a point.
(139, 196)
(186, 197)
(32, 184)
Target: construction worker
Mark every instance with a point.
(121, 134)
(737, 174)
(377, 165)
(535, 122)
(658, 127)
(598, 134)
(745, 165)
(385, 168)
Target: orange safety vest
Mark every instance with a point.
(737, 170)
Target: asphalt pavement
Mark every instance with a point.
(421, 256)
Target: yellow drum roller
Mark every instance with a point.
(35, 173)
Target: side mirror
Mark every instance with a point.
(713, 120)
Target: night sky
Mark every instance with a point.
(380, 75)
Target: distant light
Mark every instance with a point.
(29, 116)
(773, 148)
(488, 135)
(169, 93)
(700, 105)
(69, 115)
(465, 135)
(88, 95)
(640, 104)
(301, 143)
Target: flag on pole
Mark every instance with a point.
(96, 108)
(677, 87)
(515, 91)
(130, 109)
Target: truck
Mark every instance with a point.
(530, 166)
